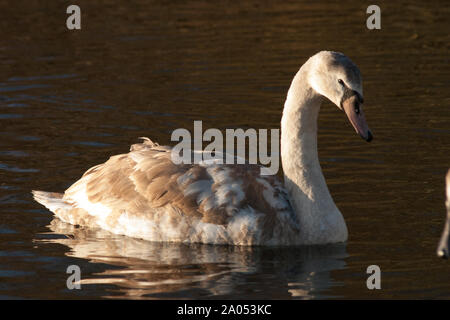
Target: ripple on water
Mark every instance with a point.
(5, 230)
(28, 138)
(92, 143)
(5, 187)
(14, 153)
(49, 77)
(17, 105)
(15, 273)
(23, 87)
(12, 199)
(10, 116)
(15, 253)
(11, 168)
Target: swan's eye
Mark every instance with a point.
(341, 82)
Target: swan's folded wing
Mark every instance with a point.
(146, 178)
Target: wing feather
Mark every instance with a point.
(146, 179)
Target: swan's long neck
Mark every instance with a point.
(319, 218)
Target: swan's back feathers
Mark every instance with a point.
(206, 202)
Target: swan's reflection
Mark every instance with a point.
(142, 269)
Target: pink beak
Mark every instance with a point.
(356, 116)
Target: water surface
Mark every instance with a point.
(70, 99)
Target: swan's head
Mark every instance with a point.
(444, 244)
(335, 76)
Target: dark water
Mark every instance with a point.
(70, 99)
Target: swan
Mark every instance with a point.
(143, 194)
(443, 247)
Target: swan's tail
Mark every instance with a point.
(51, 200)
(64, 210)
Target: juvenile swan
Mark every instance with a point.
(443, 247)
(144, 194)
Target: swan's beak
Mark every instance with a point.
(355, 114)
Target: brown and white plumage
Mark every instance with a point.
(144, 194)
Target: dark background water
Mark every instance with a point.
(70, 99)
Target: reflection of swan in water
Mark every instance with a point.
(143, 269)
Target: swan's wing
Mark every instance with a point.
(146, 179)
